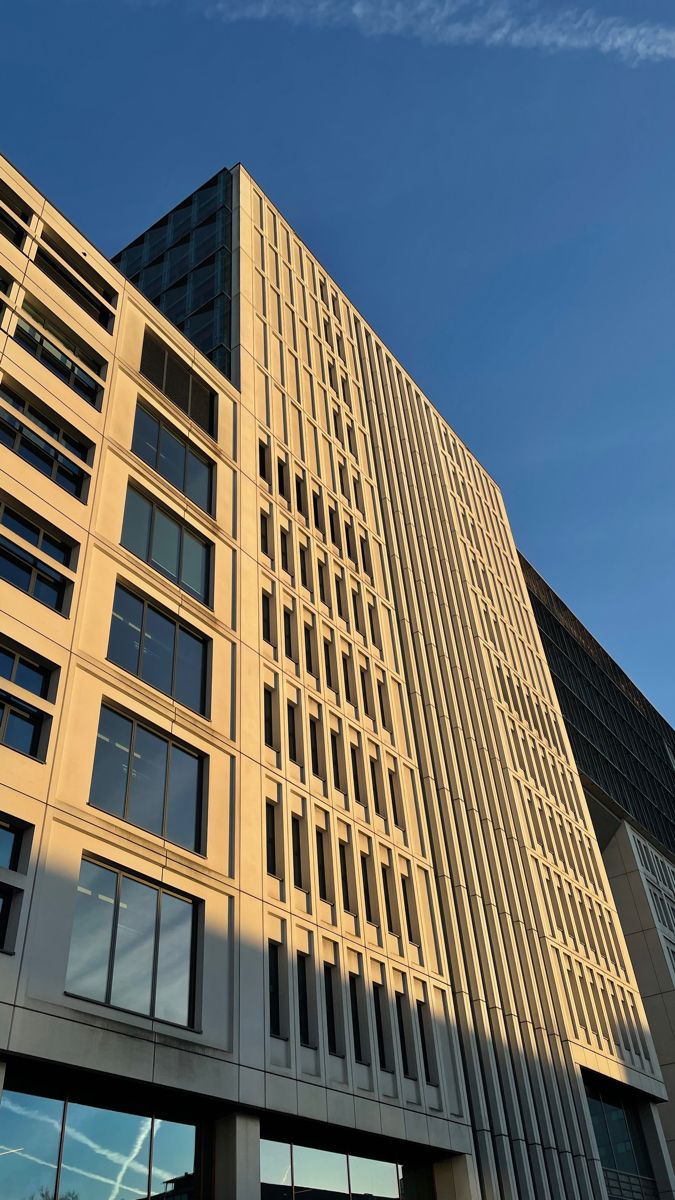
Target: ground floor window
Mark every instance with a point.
(617, 1125)
(59, 1150)
(290, 1172)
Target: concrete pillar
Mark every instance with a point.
(657, 1150)
(453, 1178)
(237, 1158)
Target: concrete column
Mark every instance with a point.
(237, 1158)
(453, 1178)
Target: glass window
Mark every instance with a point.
(30, 1133)
(318, 1172)
(168, 453)
(21, 726)
(131, 945)
(33, 449)
(172, 376)
(100, 1148)
(376, 1180)
(10, 837)
(100, 1153)
(27, 673)
(148, 643)
(275, 1171)
(167, 544)
(163, 791)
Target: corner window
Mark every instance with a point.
(148, 779)
(132, 945)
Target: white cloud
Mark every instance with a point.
(492, 23)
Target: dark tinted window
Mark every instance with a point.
(148, 779)
(154, 646)
(168, 453)
(167, 544)
(172, 376)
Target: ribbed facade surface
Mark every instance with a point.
(380, 920)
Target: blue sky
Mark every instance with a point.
(492, 182)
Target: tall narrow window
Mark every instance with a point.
(347, 679)
(288, 633)
(393, 792)
(328, 663)
(264, 534)
(268, 717)
(303, 999)
(262, 461)
(273, 956)
(407, 907)
(387, 900)
(356, 774)
(328, 984)
(314, 745)
(364, 691)
(267, 617)
(271, 837)
(335, 758)
(323, 591)
(296, 847)
(321, 863)
(309, 658)
(367, 902)
(292, 740)
(304, 572)
(284, 551)
(378, 1003)
(356, 1017)
(375, 787)
(421, 1024)
(402, 1036)
(344, 877)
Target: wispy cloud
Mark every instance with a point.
(493, 23)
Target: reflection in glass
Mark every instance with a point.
(92, 931)
(194, 569)
(136, 526)
(158, 647)
(319, 1171)
(171, 458)
(134, 945)
(190, 662)
(30, 1131)
(275, 1171)
(183, 798)
(104, 1154)
(173, 1159)
(172, 1001)
(371, 1178)
(125, 630)
(111, 763)
(146, 802)
(165, 544)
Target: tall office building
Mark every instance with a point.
(300, 891)
(625, 754)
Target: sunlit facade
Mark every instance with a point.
(299, 890)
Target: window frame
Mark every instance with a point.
(155, 507)
(162, 423)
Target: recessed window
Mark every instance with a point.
(268, 717)
(274, 987)
(267, 618)
(165, 653)
(271, 837)
(296, 847)
(292, 734)
(23, 441)
(167, 544)
(303, 997)
(12, 834)
(176, 380)
(33, 336)
(148, 779)
(132, 945)
(170, 454)
(26, 670)
(22, 726)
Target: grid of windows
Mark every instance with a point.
(132, 945)
(35, 335)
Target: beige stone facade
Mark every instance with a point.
(391, 818)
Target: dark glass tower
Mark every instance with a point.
(183, 264)
(623, 747)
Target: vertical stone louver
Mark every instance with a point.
(537, 960)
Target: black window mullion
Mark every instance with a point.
(141, 641)
(167, 773)
(151, 1156)
(130, 768)
(155, 955)
(59, 1156)
(113, 939)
